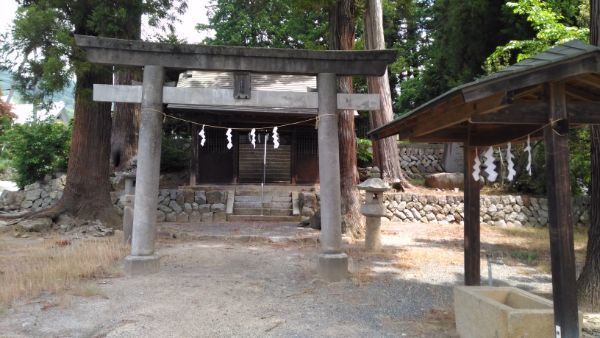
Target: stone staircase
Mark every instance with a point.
(273, 206)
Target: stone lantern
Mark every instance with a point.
(373, 208)
(127, 199)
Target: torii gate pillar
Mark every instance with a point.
(142, 259)
(333, 262)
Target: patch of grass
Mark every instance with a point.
(45, 266)
(525, 256)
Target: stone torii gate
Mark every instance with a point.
(155, 57)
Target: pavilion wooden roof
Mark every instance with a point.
(510, 104)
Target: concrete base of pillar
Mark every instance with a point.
(141, 265)
(333, 267)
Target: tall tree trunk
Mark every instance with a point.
(588, 284)
(341, 29)
(126, 124)
(87, 191)
(126, 119)
(385, 151)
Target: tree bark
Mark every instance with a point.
(126, 119)
(588, 284)
(342, 33)
(385, 151)
(87, 190)
(126, 124)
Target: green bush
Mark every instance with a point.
(175, 153)
(36, 149)
(364, 153)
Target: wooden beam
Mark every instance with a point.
(519, 113)
(229, 58)
(225, 97)
(536, 112)
(564, 287)
(582, 94)
(440, 118)
(471, 219)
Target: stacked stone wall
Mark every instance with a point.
(191, 206)
(419, 159)
(498, 210)
(36, 196)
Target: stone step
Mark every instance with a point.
(259, 218)
(274, 205)
(264, 211)
(256, 192)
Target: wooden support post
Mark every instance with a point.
(194, 155)
(564, 287)
(471, 219)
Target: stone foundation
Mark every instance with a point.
(36, 196)
(419, 159)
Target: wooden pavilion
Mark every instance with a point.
(541, 96)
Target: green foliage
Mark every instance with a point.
(267, 23)
(364, 152)
(40, 52)
(175, 148)
(36, 149)
(550, 26)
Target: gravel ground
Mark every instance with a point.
(222, 287)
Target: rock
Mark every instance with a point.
(35, 224)
(173, 193)
(200, 197)
(315, 220)
(195, 217)
(32, 195)
(175, 206)
(430, 217)
(160, 216)
(32, 186)
(308, 212)
(308, 199)
(207, 217)
(26, 205)
(171, 217)
(164, 208)
(215, 197)
(66, 222)
(219, 217)
(500, 223)
(194, 206)
(180, 199)
(202, 208)
(187, 207)
(217, 207)
(188, 196)
(445, 181)
(182, 217)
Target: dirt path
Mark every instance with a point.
(218, 288)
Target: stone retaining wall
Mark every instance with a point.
(495, 210)
(418, 159)
(36, 196)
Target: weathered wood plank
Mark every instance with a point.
(537, 113)
(471, 220)
(564, 288)
(224, 97)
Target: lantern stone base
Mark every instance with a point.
(502, 312)
(333, 267)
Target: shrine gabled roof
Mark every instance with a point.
(508, 103)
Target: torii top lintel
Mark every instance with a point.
(225, 58)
